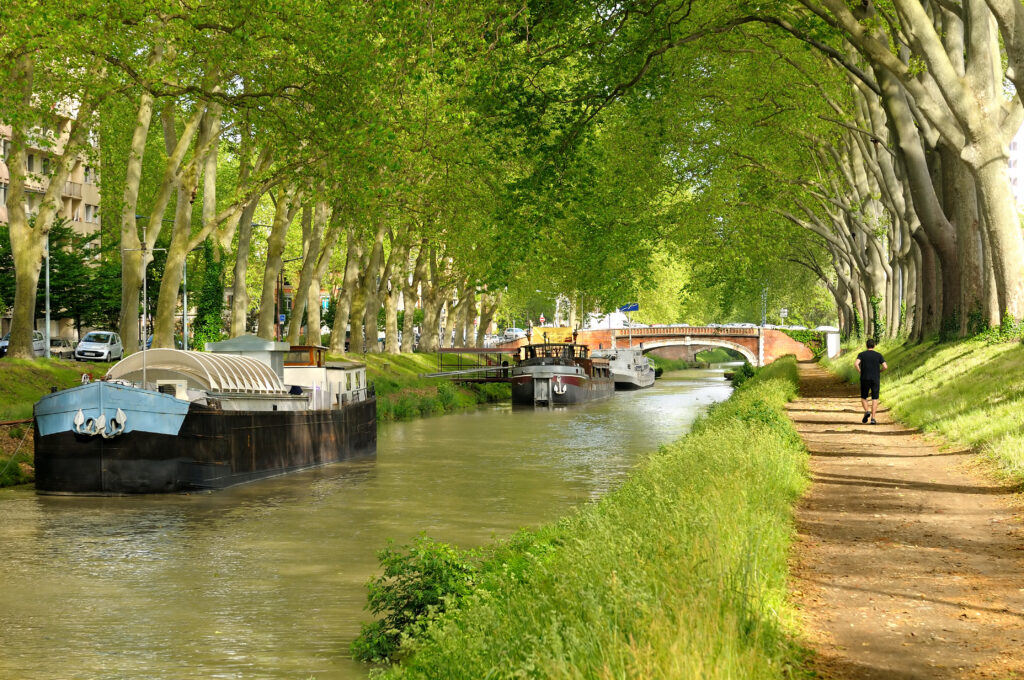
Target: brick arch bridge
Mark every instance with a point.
(760, 346)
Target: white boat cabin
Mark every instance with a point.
(330, 384)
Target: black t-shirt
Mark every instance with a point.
(870, 365)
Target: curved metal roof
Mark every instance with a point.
(202, 370)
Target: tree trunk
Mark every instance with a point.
(170, 284)
(411, 283)
(429, 337)
(312, 249)
(488, 306)
(287, 205)
(239, 290)
(356, 342)
(371, 285)
(353, 257)
(391, 318)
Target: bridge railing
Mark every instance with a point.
(683, 330)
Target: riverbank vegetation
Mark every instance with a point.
(22, 383)
(403, 395)
(971, 392)
(680, 572)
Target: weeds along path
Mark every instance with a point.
(907, 564)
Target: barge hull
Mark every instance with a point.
(577, 391)
(213, 449)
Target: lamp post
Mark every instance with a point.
(47, 296)
(184, 303)
(278, 303)
(145, 297)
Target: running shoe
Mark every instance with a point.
(865, 418)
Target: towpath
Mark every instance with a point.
(909, 563)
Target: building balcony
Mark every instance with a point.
(73, 189)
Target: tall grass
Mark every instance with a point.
(971, 392)
(24, 381)
(679, 573)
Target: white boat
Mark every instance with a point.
(631, 369)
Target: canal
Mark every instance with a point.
(267, 580)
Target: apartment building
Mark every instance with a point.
(80, 195)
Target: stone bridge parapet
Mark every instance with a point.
(760, 346)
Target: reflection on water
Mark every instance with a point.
(267, 580)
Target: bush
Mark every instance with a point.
(415, 586)
(16, 470)
(742, 374)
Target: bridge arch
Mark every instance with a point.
(702, 341)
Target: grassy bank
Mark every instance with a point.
(22, 383)
(403, 395)
(680, 572)
(970, 392)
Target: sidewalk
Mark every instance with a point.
(907, 563)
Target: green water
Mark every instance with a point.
(267, 580)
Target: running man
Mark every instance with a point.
(870, 365)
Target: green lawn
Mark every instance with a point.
(970, 392)
(24, 381)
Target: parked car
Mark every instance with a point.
(38, 344)
(62, 348)
(100, 346)
(511, 334)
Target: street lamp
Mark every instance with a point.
(278, 303)
(47, 295)
(145, 298)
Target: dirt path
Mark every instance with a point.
(907, 564)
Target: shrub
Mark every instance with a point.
(415, 586)
(742, 374)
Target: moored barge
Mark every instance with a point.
(167, 420)
(557, 374)
(631, 369)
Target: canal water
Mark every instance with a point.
(267, 580)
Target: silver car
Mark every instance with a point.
(38, 344)
(100, 346)
(62, 348)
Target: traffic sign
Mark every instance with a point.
(280, 319)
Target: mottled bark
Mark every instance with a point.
(288, 200)
(353, 257)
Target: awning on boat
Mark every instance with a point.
(202, 370)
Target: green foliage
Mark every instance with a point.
(680, 572)
(743, 374)
(878, 319)
(16, 469)
(209, 323)
(82, 287)
(814, 340)
(417, 584)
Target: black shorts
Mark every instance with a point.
(868, 386)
